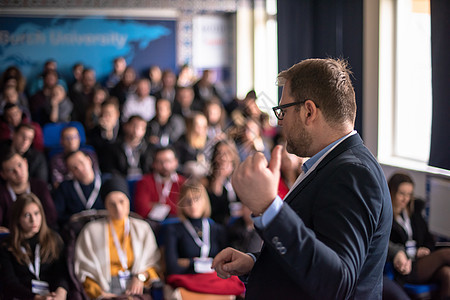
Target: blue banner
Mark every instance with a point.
(27, 42)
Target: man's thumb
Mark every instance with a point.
(275, 159)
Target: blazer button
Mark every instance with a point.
(275, 240)
(282, 250)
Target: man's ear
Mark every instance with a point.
(310, 111)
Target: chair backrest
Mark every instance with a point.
(69, 234)
(52, 133)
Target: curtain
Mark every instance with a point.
(321, 29)
(440, 62)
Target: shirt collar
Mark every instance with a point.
(310, 162)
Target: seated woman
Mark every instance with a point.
(31, 262)
(191, 244)
(191, 147)
(116, 256)
(224, 203)
(410, 230)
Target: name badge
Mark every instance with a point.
(411, 248)
(124, 277)
(39, 287)
(203, 264)
(159, 212)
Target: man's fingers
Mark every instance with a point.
(222, 257)
(275, 159)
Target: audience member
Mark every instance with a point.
(185, 76)
(77, 72)
(95, 107)
(215, 115)
(184, 105)
(167, 91)
(80, 193)
(21, 143)
(224, 203)
(70, 142)
(117, 255)
(39, 100)
(205, 89)
(251, 141)
(38, 84)
(82, 99)
(12, 117)
(410, 230)
(165, 128)
(12, 76)
(191, 146)
(105, 134)
(155, 76)
(140, 103)
(32, 264)
(119, 66)
(290, 169)
(397, 256)
(14, 171)
(58, 108)
(191, 244)
(156, 194)
(130, 156)
(125, 87)
(11, 95)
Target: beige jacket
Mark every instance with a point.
(92, 253)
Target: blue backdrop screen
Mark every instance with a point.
(27, 42)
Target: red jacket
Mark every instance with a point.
(146, 195)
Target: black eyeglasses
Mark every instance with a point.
(279, 110)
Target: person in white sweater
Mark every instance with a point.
(117, 255)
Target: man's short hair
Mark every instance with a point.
(24, 125)
(135, 117)
(327, 83)
(111, 100)
(164, 148)
(72, 153)
(63, 131)
(6, 154)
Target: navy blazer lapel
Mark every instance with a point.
(348, 143)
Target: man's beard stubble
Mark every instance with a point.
(300, 143)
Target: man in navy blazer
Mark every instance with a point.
(328, 238)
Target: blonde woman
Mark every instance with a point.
(191, 244)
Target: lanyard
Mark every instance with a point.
(92, 196)
(303, 175)
(13, 194)
(121, 251)
(36, 269)
(204, 244)
(405, 222)
(231, 195)
(163, 188)
(132, 155)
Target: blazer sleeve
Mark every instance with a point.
(344, 216)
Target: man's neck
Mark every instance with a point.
(329, 135)
(87, 180)
(133, 143)
(19, 188)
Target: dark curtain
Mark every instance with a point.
(440, 62)
(320, 29)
